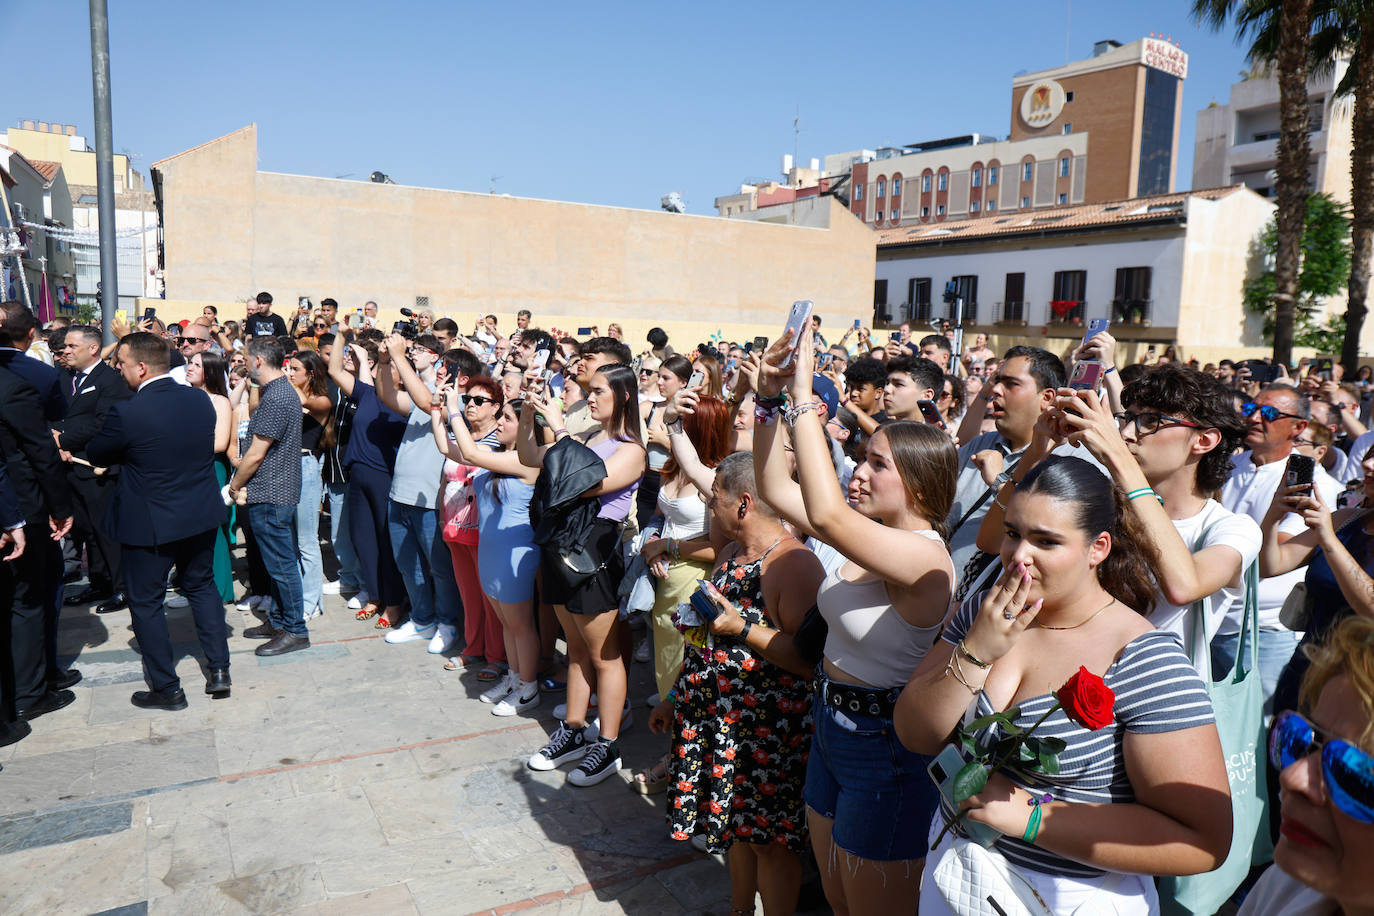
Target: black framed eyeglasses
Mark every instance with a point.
(1268, 412)
(1148, 423)
(478, 400)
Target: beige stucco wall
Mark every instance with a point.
(230, 230)
(79, 165)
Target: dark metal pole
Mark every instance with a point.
(104, 165)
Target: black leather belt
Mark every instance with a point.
(861, 701)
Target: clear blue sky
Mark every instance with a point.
(607, 103)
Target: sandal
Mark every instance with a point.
(653, 780)
(489, 673)
(367, 614)
(382, 624)
(459, 663)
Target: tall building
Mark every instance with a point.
(1091, 131)
(1237, 143)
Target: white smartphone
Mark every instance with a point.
(796, 320)
(541, 360)
(697, 380)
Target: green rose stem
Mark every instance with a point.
(1014, 750)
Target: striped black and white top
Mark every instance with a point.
(1157, 690)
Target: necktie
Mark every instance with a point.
(76, 382)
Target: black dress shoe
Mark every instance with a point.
(69, 678)
(117, 602)
(88, 595)
(10, 732)
(159, 699)
(51, 701)
(217, 684)
(283, 643)
(263, 631)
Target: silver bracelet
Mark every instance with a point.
(792, 413)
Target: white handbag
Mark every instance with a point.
(975, 881)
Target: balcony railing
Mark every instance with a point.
(1132, 311)
(1066, 311)
(970, 312)
(1012, 311)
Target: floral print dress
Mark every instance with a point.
(742, 735)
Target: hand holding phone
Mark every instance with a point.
(703, 603)
(796, 321)
(697, 380)
(1300, 471)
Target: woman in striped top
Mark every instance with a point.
(1145, 795)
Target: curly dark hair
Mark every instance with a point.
(1192, 395)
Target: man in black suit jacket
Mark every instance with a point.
(18, 330)
(12, 543)
(39, 478)
(166, 509)
(95, 388)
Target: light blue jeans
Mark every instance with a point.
(308, 533)
(350, 575)
(425, 564)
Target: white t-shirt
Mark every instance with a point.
(1278, 892)
(1360, 448)
(1227, 529)
(1249, 491)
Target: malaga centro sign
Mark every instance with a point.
(1161, 55)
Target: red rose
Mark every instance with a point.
(1087, 700)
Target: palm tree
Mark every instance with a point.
(1292, 21)
(1346, 28)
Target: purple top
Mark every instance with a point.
(615, 505)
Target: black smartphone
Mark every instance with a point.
(149, 313)
(1323, 368)
(760, 344)
(930, 413)
(703, 604)
(1299, 471)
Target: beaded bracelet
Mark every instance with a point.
(672, 697)
(790, 415)
(1145, 491)
(775, 401)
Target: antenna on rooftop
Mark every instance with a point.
(494, 179)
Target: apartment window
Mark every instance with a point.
(1131, 301)
(1066, 297)
(939, 209)
(1063, 168)
(966, 288)
(1068, 96)
(925, 213)
(992, 205)
(880, 296)
(1025, 202)
(976, 178)
(973, 206)
(882, 186)
(1068, 127)
(1063, 198)
(858, 192)
(944, 181)
(992, 174)
(896, 187)
(878, 217)
(925, 184)
(918, 298)
(1027, 171)
(1014, 298)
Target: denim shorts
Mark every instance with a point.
(877, 792)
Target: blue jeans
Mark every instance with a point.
(308, 532)
(1276, 647)
(274, 529)
(350, 575)
(425, 564)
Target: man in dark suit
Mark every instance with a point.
(18, 329)
(45, 498)
(12, 543)
(95, 388)
(166, 509)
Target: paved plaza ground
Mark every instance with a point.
(354, 777)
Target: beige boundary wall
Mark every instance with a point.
(230, 230)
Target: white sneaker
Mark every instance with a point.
(627, 718)
(600, 761)
(358, 601)
(643, 651)
(444, 636)
(409, 632)
(561, 710)
(564, 745)
(248, 603)
(515, 702)
(330, 587)
(178, 601)
(498, 691)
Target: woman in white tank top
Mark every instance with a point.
(869, 800)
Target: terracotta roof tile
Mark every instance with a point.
(45, 168)
(1069, 216)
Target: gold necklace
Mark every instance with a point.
(1080, 623)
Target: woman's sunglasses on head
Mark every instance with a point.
(1347, 771)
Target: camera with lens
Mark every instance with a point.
(409, 329)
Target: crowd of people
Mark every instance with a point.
(837, 557)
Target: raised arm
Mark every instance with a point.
(527, 446)
(683, 449)
(470, 451)
(341, 376)
(397, 401)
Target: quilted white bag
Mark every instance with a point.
(975, 882)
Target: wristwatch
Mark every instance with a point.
(1002, 479)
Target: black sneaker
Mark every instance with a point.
(565, 745)
(601, 760)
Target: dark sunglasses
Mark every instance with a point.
(321, 327)
(480, 401)
(1347, 770)
(1268, 413)
(648, 372)
(190, 340)
(1147, 423)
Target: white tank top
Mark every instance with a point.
(684, 517)
(868, 638)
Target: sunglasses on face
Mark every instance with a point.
(1347, 771)
(1147, 423)
(191, 340)
(1268, 413)
(647, 373)
(478, 400)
